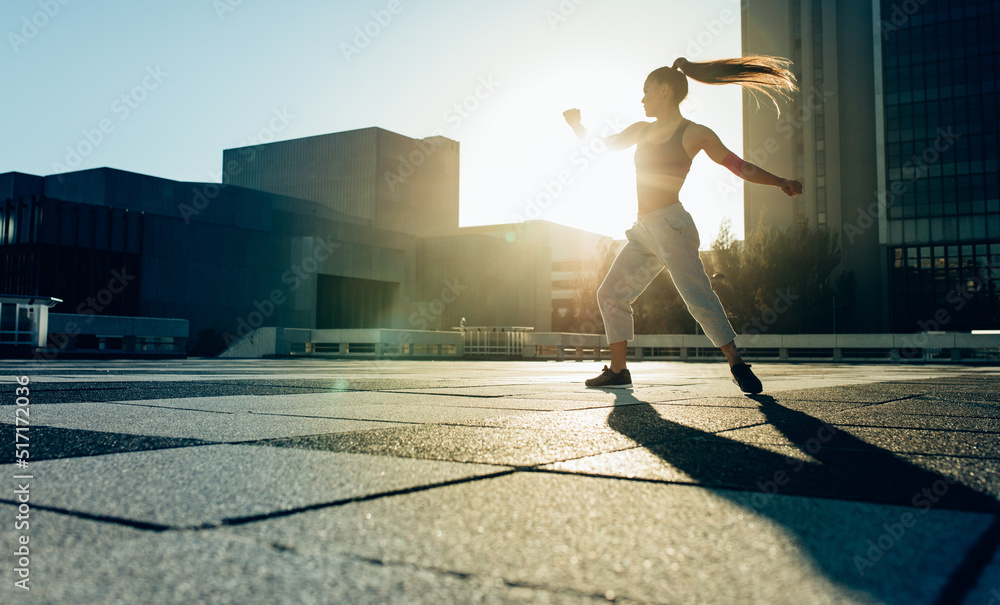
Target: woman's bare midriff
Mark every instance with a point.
(656, 191)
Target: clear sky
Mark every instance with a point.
(161, 88)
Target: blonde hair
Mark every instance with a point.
(762, 74)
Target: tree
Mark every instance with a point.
(586, 314)
(782, 282)
(779, 282)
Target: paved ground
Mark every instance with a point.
(313, 481)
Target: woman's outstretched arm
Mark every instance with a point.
(704, 138)
(622, 140)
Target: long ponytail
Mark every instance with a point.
(762, 74)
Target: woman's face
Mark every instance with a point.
(655, 97)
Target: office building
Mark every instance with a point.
(578, 259)
(894, 134)
(358, 253)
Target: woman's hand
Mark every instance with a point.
(572, 117)
(791, 188)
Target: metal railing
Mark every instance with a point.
(494, 341)
(522, 343)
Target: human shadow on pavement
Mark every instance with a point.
(818, 461)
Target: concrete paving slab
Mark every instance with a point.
(138, 419)
(459, 443)
(49, 443)
(835, 474)
(49, 532)
(695, 545)
(899, 440)
(877, 416)
(945, 443)
(198, 567)
(979, 474)
(987, 589)
(614, 479)
(350, 405)
(867, 393)
(668, 463)
(937, 404)
(205, 486)
(601, 420)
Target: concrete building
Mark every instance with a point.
(228, 258)
(577, 259)
(392, 181)
(894, 135)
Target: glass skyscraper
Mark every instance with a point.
(941, 219)
(895, 136)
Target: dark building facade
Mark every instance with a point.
(894, 134)
(230, 258)
(941, 222)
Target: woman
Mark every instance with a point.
(664, 236)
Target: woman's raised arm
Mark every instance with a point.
(621, 140)
(704, 138)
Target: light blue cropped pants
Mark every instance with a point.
(665, 238)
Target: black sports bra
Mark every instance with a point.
(667, 158)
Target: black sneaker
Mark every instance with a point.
(611, 380)
(743, 376)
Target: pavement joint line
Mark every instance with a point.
(444, 394)
(947, 416)
(962, 456)
(462, 575)
(669, 402)
(158, 407)
(869, 404)
(643, 445)
(744, 489)
(232, 521)
(143, 525)
(332, 418)
(969, 571)
(477, 407)
(537, 467)
(914, 428)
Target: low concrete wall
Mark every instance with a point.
(373, 342)
(102, 334)
(943, 348)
